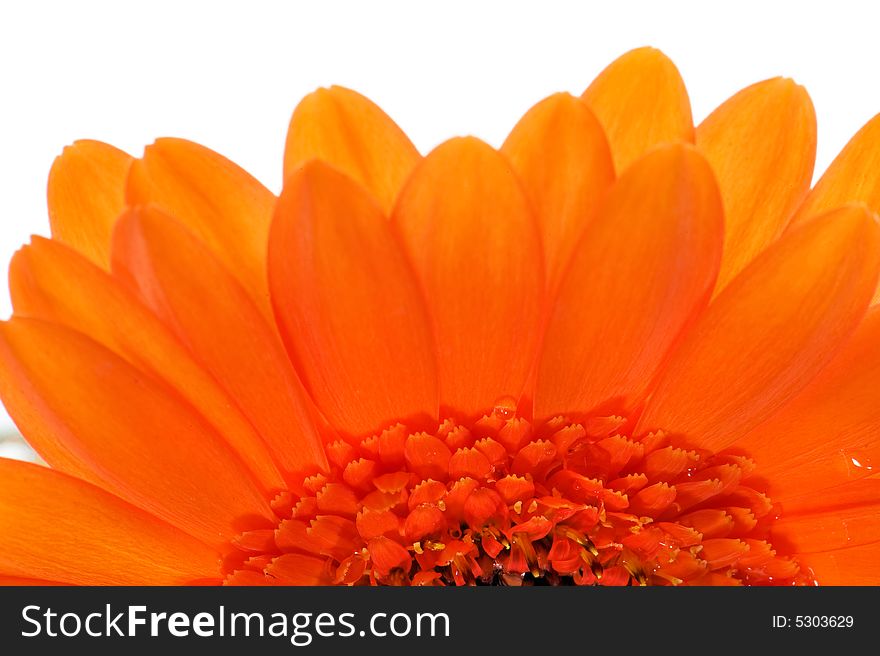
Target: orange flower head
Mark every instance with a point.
(617, 350)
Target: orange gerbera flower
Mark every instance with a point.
(620, 350)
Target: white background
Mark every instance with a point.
(228, 74)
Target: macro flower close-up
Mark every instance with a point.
(620, 349)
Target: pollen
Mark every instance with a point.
(500, 501)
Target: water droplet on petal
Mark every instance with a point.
(860, 462)
(505, 407)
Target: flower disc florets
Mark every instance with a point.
(497, 502)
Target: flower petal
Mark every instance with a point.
(52, 282)
(59, 528)
(830, 433)
(119, 428)
(561, 155)
(299, 569)
(770, 331)
(25, 581)
(851, 566)
(191, 290)
(640, 100)
(343, 128)
(643, 269)
(348, 304)
(854, 176)
(221, 203)
(470, 233)
(840, 518)
(761, 144)
(86, 193)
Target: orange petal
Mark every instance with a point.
(643, 269)
(761, 144)
(854, 176)
(641, 101)
(348, 305)
(23, 581)
(214, 316)
(561, 155)
(840, 518)
(52, 282)
(343, 128)
(475, 245)
(121, 429)
(770, 331)
(56, 527)
(830, 433)
(298, 569)
(221, 203)
(852, 566)
(86, 193)
(386, 555)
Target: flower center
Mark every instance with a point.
(498, 502)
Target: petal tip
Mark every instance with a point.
(649, 55)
